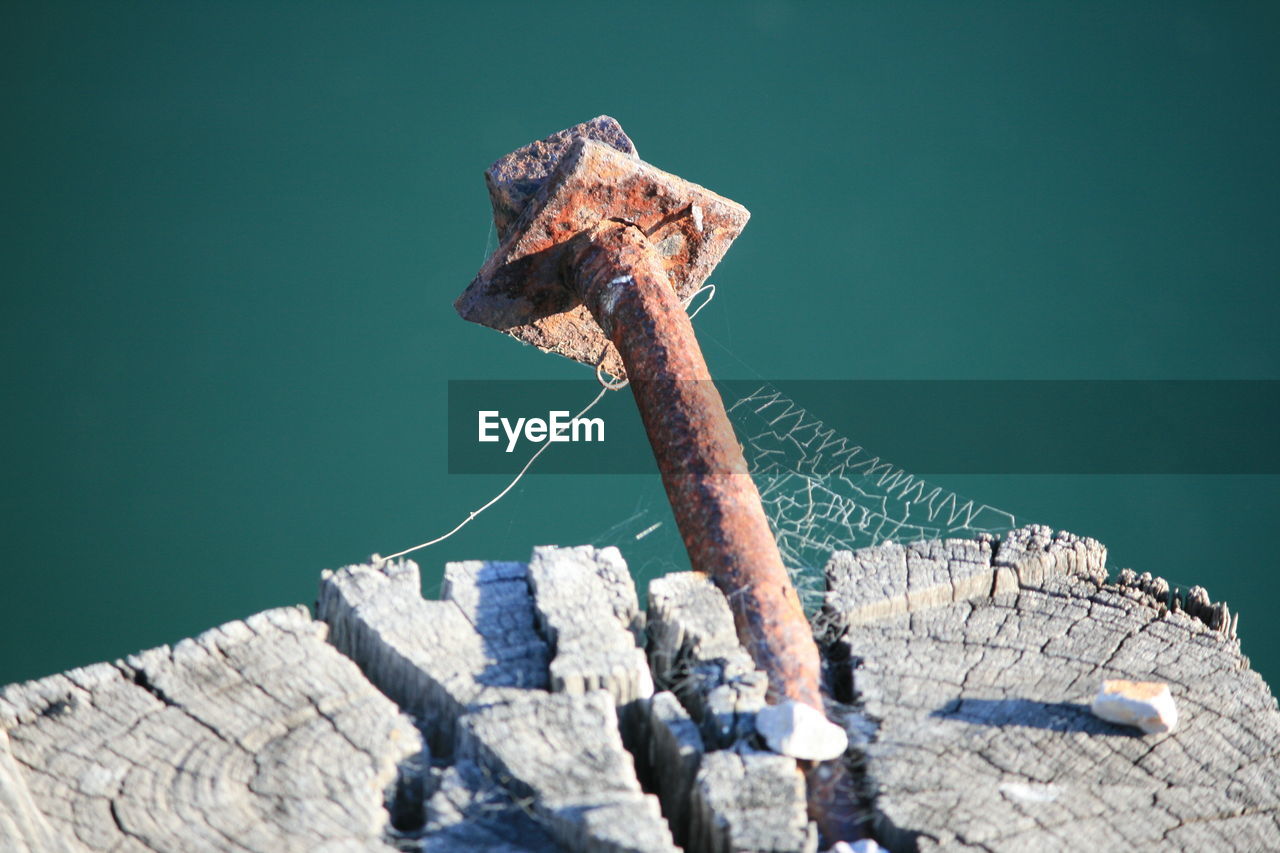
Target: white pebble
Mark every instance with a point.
(795, 729)
(865, 845)
(1145, 704)
(1029, 793)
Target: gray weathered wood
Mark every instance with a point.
(746, 800)
(588, 611)
(427, 656)
(494, 596)
(875, 583)
(983, 737)
(23, 827)
(695, 653)
(469, 810)
(564, 752)
(739, 799)
(669, 759)
(962, 669)
(256, 735)
(476, 669)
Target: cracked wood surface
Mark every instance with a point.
(695, 653)
(720, 791)
(962, 669)
(518, 674)
(976, 661)
(565, 754)
(427, 656)
(668, 760)
(590, 615)
(254, 736)
(745, 799)
(470, 810)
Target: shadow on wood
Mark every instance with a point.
(562, 716)
(1055, 716)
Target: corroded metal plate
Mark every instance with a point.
(520, 291)
(514, 179)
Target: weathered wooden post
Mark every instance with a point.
(519, 712)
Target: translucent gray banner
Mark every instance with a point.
(923, 426)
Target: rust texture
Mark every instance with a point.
(520, 290)
(514, 179)
(618, 274)
(598, 252)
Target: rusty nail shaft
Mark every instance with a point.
(616, 273)
(597, 248)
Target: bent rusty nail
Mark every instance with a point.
(595, 266)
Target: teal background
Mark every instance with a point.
(233, 232)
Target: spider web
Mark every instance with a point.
(822, 492)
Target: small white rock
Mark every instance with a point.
(865, 845)
(795, 729)
(1026, 793)
(1145, 704)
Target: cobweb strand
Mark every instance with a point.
(500, 495)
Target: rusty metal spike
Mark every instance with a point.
(595, 267)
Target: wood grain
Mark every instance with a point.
(256, 735)
(974, 663)
(961, 669)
